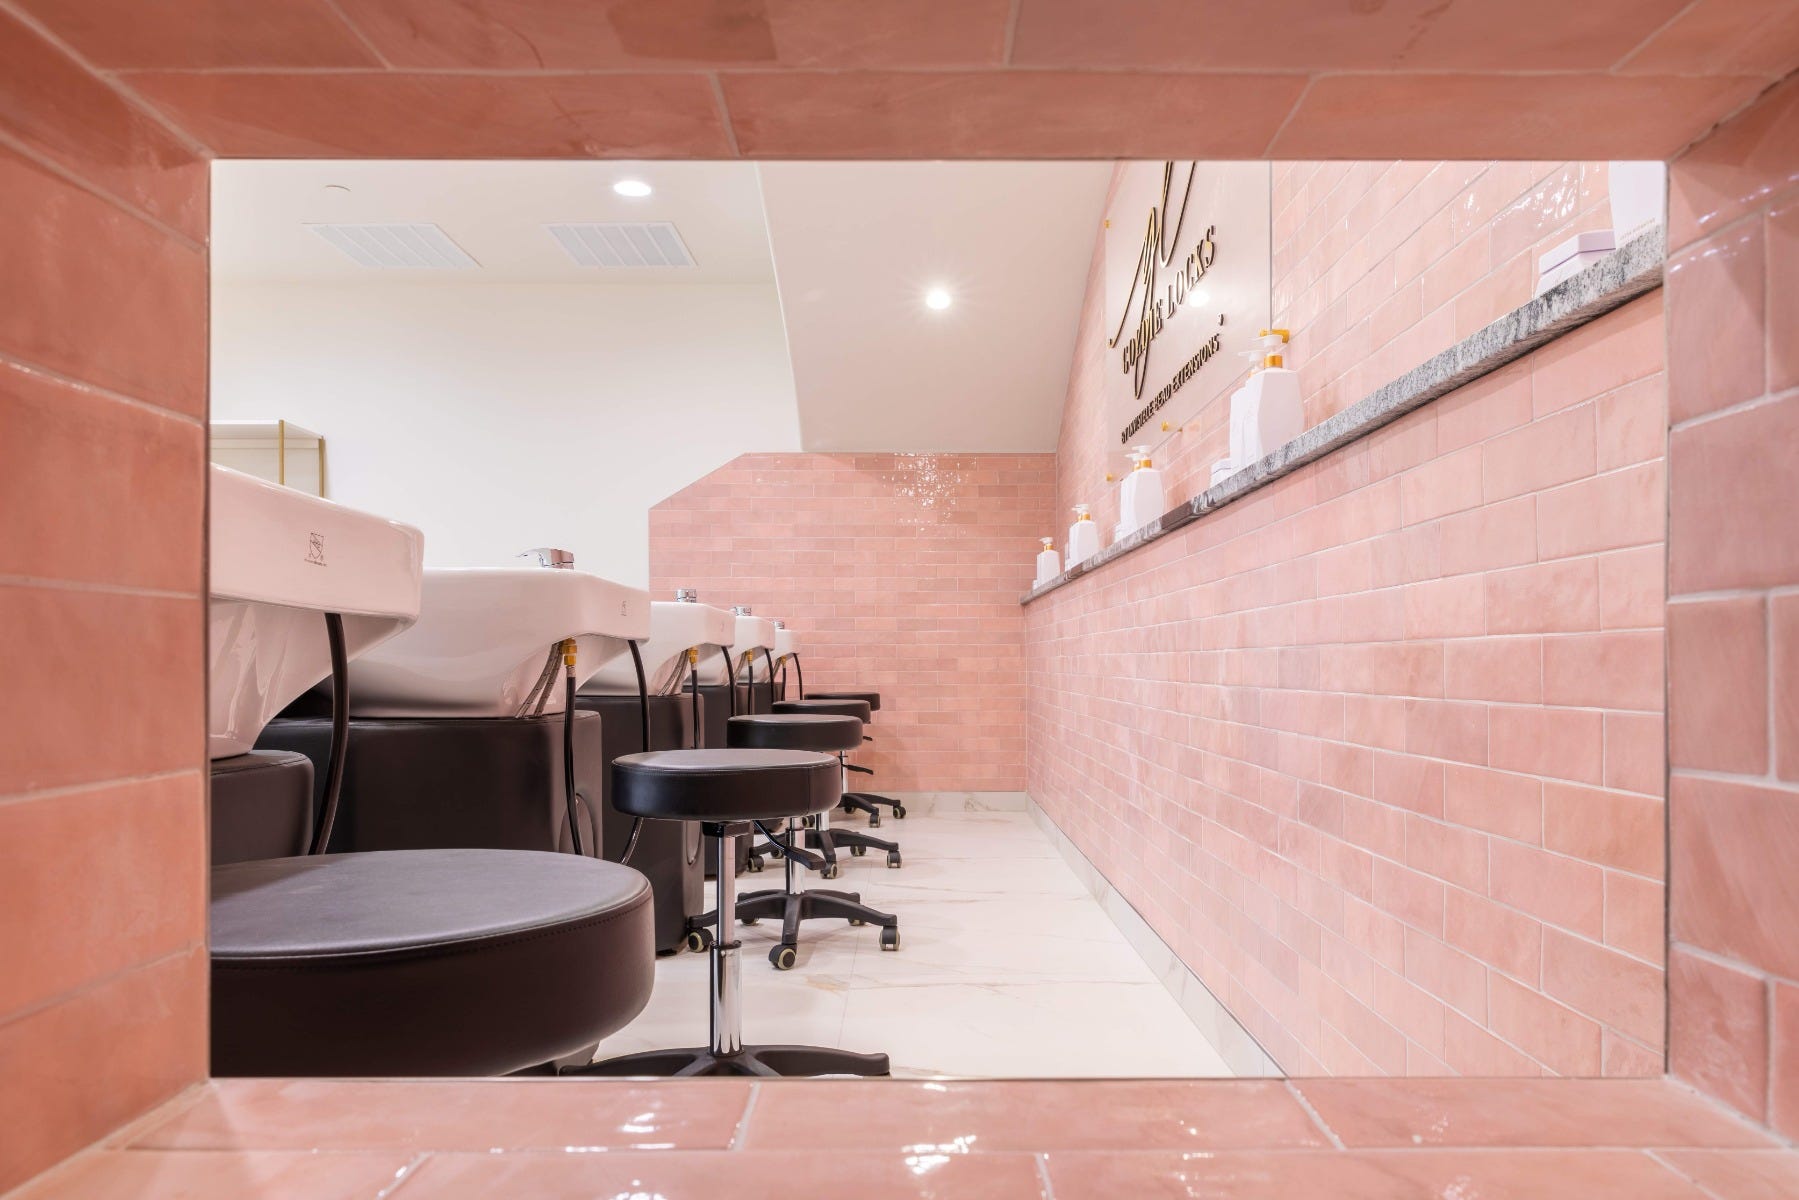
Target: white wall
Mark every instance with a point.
(497, 417)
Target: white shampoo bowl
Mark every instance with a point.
(786, 642)
(483, 637)
(749, 634)
(280, 560)
(674, 627)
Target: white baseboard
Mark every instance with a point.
(1240, 1051)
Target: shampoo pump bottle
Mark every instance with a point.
(1140, 497)
(1083, 536)
(1266, 412)
(1049, 563)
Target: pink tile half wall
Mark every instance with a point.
(1378, 748)
(900, 573)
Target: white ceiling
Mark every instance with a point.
(857, 246)
(494, 210)
(854, 248)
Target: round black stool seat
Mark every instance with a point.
(822, 733)
(423, 962)
(725, 786)
(814, 706)
(872, 699)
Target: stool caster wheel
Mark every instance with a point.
(890, 939)
(857, 921)
(899, 810)
(809, 822)
(828, 871)
(858, 851)
(783, 957)
(893, 858)
(749, 920)
(754, 865)
(874, 820)
(699, 940)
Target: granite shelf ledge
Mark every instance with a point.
(1636, 268)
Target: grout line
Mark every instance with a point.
(88, 986)
(8, 360)
(1313, 1113)
(356, 32)
(105, 195)
(743, 1119)
(108, 80)
(403, 1176)
(81, 585)
(724, 116)
(1273, 138)
(1765, 400)
(95, 785)
(1010, 40)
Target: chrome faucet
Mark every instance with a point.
(550, 556)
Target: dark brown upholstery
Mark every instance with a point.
(818, 706)
(423, 962)
(725, 786)
(822, 733)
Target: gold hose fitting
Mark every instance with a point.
(568, 653)
(693, 656)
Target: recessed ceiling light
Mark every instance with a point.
(636, 189)
(937, 298)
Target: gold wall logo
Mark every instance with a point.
(1154, 300)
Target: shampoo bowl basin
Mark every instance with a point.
(280, 560)
(786, 643)
(748, 635)
(483, 638)
(674, 628)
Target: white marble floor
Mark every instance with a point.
(1007, 968)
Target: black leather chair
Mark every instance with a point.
(868, 802)
(423, 962)
(729, 791)
(817, 733)
(261, 806)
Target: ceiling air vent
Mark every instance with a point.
(395, 247)
(622, 243)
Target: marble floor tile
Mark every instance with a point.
(1007, 967)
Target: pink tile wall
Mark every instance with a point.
(1377, 266)
(900, 573)
(1733, 612)
(102, 478)
(1378, 749)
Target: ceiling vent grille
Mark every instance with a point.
(398, 247)
(622, 243)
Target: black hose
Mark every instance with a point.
(340, 730)
(693, 678)
(730, 678)
(769, 658)
(799, 675)
(568, 765)
(643, 728)
(749, 690)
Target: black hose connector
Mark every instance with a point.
(340, 731)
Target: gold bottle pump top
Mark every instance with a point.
(1274, 359)
(1048, 543)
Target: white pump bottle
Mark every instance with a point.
(1266, 412)
(1083, 536)
(1049, 563)
(1140, 497)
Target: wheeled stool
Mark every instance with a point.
(868, 802)
(728, 791)
(825, 734)
(821, 836)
